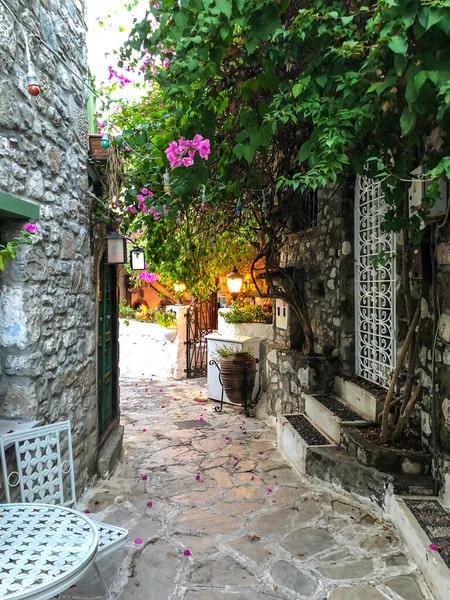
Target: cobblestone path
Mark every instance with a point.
(229, 519)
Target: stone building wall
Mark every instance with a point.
(48, 305)
(323, 261)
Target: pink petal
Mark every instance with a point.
(235, 458)
(212, 429)
(197, 477)
(138, 541)
(226, 437)
(144, 429)
(86, 511)
(261, 452)
(187, 552)
(160, 390)
(149, 503)
(162, 406)
(269, 490)
(433, 547)
(144, 477)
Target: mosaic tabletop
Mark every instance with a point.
(43, 549)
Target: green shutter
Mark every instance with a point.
(12, 207)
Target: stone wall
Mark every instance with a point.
(48, 304)
(323, 260)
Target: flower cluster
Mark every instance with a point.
(147, 277)
(120, 78)
(183, 152)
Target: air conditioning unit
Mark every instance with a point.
(418, 190)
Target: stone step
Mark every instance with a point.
(427, 538)
(413, 485)
(295, 435)
(330, 413)
(358, 398)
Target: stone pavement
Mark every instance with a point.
(229, 519)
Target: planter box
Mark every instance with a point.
(263, 331)
(96, 152)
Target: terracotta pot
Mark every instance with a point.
(232, 369)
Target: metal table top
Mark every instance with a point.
(44, 549)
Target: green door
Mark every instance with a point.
(107, 346)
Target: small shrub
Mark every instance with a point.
(166, 318)
(226, 351)
(248, 313)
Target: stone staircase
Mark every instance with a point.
(325, 441)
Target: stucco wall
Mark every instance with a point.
(48, 304)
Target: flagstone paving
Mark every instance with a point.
(229, 519)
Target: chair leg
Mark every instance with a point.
(100, 576)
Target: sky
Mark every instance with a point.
(103, 40)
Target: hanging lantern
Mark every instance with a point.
(239, 207)
(116, 249)
(166, 178)
(34, 88)
(234, 282)
(105, 143)
(137, 259)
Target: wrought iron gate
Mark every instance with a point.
(201, 319)
(374, 286)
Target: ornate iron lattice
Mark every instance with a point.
(201, 319)
(374, 286)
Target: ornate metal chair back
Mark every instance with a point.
(37, 465)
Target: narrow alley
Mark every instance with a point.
(215, 513)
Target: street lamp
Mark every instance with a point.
(179, 290)
(116, 249)
(234, 283)
(137, 259)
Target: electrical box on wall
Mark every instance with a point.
(281, 314)
(418, 190)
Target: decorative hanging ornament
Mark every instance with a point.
(205, 203)
(34, 88)
(166, 178)
(105, 143)
(239, 207)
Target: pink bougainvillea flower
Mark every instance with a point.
(235, 458)
(138, 541)
(30, 227)
(149, 503)
(144, 477)
(213, 429)
(148, 278)
(197, 477)
(144, 191)
(337, 448)
(227, 437)
(241, 443)
(86, 511)
(144, 429)
(118, 220)
(240, 427)
(163, 406)
(269, 490)
(160, 389)
(187, 552)
(433, 547)
(261, 452)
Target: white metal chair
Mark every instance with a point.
(37, 466)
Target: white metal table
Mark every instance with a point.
(44, 549)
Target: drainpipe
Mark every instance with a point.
(436, 315)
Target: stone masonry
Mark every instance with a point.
(48, 294)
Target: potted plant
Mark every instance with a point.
(167, 319)
(237, 372)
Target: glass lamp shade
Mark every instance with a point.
(137, 259)
(234, 281)
(116, 249)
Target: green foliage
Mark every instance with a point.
(247, 313)
(226, 351)
(293, 96)
(125, 311)
(166, 318)
(8, 252)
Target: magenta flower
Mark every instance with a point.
(144, 477)
(140, 197)
(118, 220)
(144, 191)
(197, 477)
(149, 503)
(30, 227)
(86, 511)
(261, 452)
(144, 429)
(187, 552)
(227, 437)
(148, 278)
(235, 458)
(162, 406)
(138, 541)
(269, 490)
(433, 547)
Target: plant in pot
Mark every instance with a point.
(237, 372)
(167, 319)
